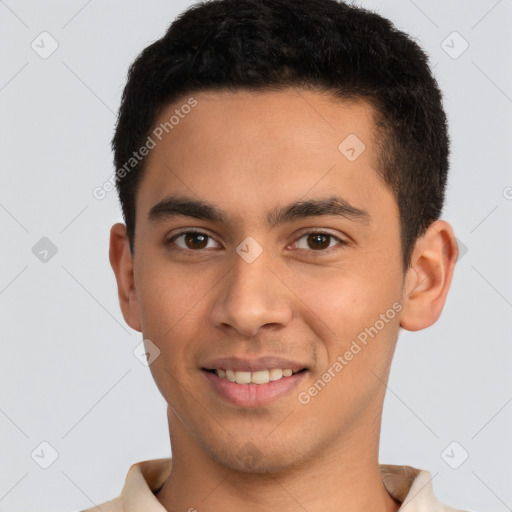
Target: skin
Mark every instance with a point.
(247, 153)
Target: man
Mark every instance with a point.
(281, 168)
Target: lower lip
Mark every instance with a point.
(253, 395)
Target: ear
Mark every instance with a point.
(121, 261)
(429, 277)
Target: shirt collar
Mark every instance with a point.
(410, 486)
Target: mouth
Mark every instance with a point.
(258, 378)
(250, 389)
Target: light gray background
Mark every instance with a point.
(68, 375)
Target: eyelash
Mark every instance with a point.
(341, 242)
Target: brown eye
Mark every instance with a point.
(319, 240)
(193, 240)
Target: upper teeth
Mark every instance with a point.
(259, 377)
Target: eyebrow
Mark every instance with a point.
(174, 206)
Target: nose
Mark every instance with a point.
(251, 297)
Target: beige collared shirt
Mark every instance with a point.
(410, 486)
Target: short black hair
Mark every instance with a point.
(346, 51)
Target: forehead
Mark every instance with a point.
(291, 115)
(255, 149)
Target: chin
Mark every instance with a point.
(246, 457)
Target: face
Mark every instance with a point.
(266, 241)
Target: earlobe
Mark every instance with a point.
(429, 277)
(121, 261)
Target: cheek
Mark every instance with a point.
(358, 346)
(348, 305)
(170, 309)
(347, 301)
(167, 295)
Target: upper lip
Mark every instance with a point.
(252, 365)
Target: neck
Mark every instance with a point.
(345, 476)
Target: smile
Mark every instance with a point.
(258, 377)
(257, 388)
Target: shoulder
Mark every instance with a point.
(142, 480)
(412, 488)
